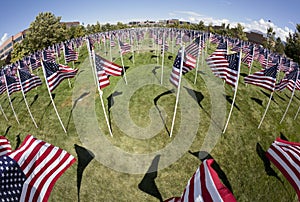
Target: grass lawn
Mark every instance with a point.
(140, 114)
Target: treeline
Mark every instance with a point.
(47, 30)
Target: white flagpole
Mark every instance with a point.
(66, 63)
(157, 47)
(3, 113)
(122, 61)
(235, 92)
(110, 46)
(163, 58)
(12, 107)
(198, 58)
(101, 99)
(297, 113)
(288, 106)
(178, 91)
(252, 60)
(61, 123)
(269, 102)
(91, 59)
(32, 118)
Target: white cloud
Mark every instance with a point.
(249, 24)
(3, 38)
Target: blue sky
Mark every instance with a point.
(16, 16)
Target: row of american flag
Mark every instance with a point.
(226, 66)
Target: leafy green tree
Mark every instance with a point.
(238, 32)
(46, 30)
(292, 48)
(279, 46)
(201, 26)
(270, 43)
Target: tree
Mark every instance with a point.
(270, 43)
(239, 33)
(279, 47)
(292, 48)
(46, 30)
(201, 26)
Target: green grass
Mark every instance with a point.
(235, 150)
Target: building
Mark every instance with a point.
(255, 37)
(8, 45)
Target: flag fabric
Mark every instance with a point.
(225, 67)
(248, 57)
(30, 172)
(56, 73)
(5, 146)
(175, 74)
(265, 78)
(13, 84)
(125, 47)
(221, 49)
(49, 55)
(28, 80)
(109, 67)
(204, 186)
(2, 85)
(285, 156)
(101, 73)
(289, 81)
(70, 53)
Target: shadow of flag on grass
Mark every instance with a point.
(148, 184)
(84, 157)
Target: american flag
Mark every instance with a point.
(70, 53)
(265, 78)
(175, 74)
(221, 49)
(285, 156)
(34, 63)
(2, 85)
(125, 47)
(30, 172)
(23, 64)
(289, 81)
(205, 186)
(263, 57)
(28, 80)
(101, 73)
(56, 73)
(13, 84)
(249, 57)
(5, 146)
(109, 67)
(48, 55)
(225, 67)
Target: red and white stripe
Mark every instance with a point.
(111, 68)
(205, 186)
(5, 146)
(286, 157)
(43, 164)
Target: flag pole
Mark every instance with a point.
(91, 60)
(198, 58)
(163, 58)
(66, 63)
(122, 61)
(101, 99)
(288, 106)
(60, 121)
(178, 91)
(297, 113)
(269, 102)
(110, 46)
(235, 92)
(10, 103)
(23, 94)
(251, 63)
(3, 113)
